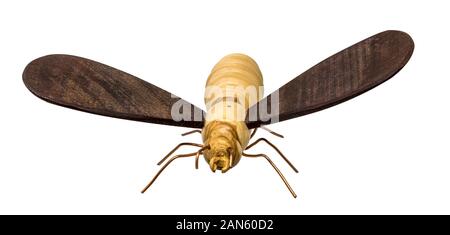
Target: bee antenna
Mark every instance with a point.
(198, 155)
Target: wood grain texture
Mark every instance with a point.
(340, 77)
(90, 86)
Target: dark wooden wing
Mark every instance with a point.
(93, 87)
(338, 78)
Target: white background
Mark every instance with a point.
(383, 152)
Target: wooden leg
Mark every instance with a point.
(276, 149)
(253, 133)
(275, 168)
(175, 149)
(271, 132)
(266, 129)
(164, 167)
(191, 132)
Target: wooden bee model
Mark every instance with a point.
(233, 97)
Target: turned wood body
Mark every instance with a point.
(234, 85)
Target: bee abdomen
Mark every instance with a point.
(235, 84)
